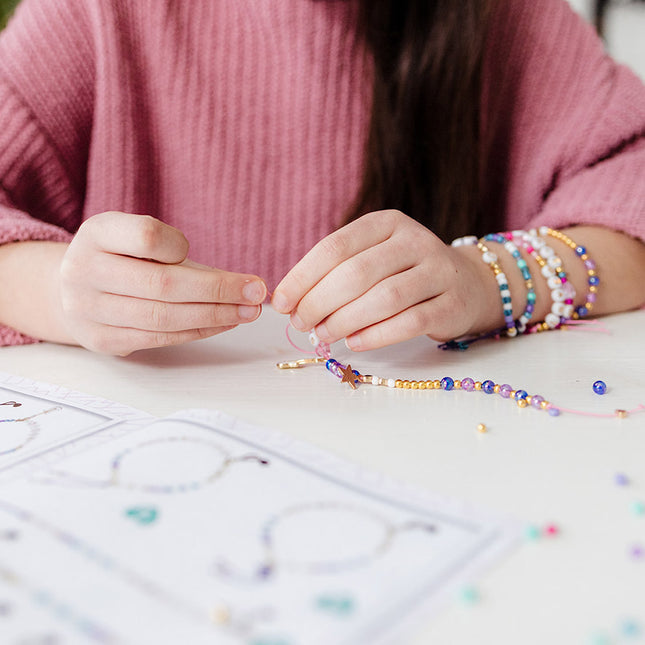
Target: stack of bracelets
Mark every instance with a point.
(551, 267)
(533, 242)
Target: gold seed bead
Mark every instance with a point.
(478, 385)
(481, 428)
(497, 388)
(414, 385)
(398, 383)
(436, 384)
(529, 399)
(593, 289)
(429, 385)
(522, 403)
(512, 394)
(406, 385)
(544, 404)
(457, 385)
(422, 385)
(621, 414)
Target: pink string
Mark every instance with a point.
(322, 349)
(304, 351)
(585, 325)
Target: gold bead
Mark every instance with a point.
(593, 288)
(414, 385)
(478, 385)
(436, 384)
(529, 399)
(522, 403)
(591, 272)
(457, 384)
(398, 383)
(429, 385)
(497, 388)
(544, 404)
(481, 428)
(422, 385)
(621, 414)
(512, 394)
(406, 385)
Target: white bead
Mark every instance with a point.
(558, 308)
(313, 339)
(501, 278)
(554, 261)
(552, 320)
(568, 311)
(512, 332)
(467, 240)
(510, 247)
(376, 380)
(544, 230)
(558, 295)
(505, 293)
(547, 251)
(518, 233)
(391, 382)
(521, 324)
(547, 271)
(489, 257)
(554, 282)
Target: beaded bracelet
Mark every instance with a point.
(490, 258)
(562, 292)
(508, 244)
(353, 378)
(592, 279)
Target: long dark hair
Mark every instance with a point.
(423, 153)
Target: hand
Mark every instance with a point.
(385, 278)
(125, 284)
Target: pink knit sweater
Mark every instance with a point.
(242, 122)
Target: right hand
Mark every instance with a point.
(125, 285)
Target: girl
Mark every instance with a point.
(145, 142)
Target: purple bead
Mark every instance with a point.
(505, 390)
(488, 386)
(447, 383)
(591, 297)
(554, 412)
(467, 384)
(599, 387)
(530, 308)
(536, 401)
(590, 264)
(621, 479)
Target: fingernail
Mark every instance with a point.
(353, 343)
(254, 291)
(247, 312)
(280, 303)
(323, 333)
(297, 322)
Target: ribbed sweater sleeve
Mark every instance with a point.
(45, 61)
(565, 124)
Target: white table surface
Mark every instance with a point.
(566, 589)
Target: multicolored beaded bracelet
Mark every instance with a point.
(490, 258)
(590, 266)
(562, 292)
(508, 244)
(353, 378)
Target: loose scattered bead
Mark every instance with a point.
(469, 595)
(621, 479)
(481, 428)
(621, 414)
(599, 387)
(630, 627)
(636, 551)
(551, 530)
(532, 533)
(638, 508)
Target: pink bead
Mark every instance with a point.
(590, 264)
(551, 529)
(563, 279)
(530, 249)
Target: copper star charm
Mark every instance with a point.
(348, 376)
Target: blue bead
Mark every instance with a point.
(447, 383)
(488, 386)
(581, 311)
(599, 387)
(520, 394)
(580, 250)
(593, 280)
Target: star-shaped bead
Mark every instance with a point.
(349, 376)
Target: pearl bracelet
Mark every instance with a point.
(592, 279)
(562, 291)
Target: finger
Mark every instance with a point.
(127, 276)
(153, 315)
(139, 236)
(357, 236)
(120, 341)
(387, 298)
(349, 281)
(437, 317)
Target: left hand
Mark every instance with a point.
(382, 279)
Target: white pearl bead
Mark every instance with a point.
(568, 311)
(489, 257)
(391, 382)
(544, 230)
(547, 252)
(558, 295)
(376, 380)
(554, 282)
(558, 308)
(554, 261)
(552, 320)
(313, 339)
(467, 240)
(547, 271)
